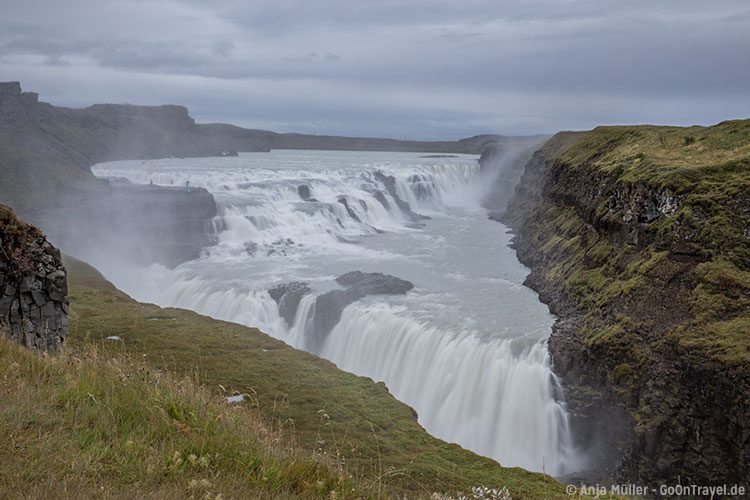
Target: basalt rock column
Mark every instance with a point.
(33, 286)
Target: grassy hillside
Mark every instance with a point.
(93, 425)
(314, 429)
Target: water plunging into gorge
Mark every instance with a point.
(466, 347)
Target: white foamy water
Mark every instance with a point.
(466, 348)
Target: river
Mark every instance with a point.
(466, 347)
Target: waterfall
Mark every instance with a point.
(466, 349)
(265, 207)
(487, 394)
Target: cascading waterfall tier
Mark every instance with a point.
(466, 348)
(493, 396)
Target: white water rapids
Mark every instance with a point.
(466, 347)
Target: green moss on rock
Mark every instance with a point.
(640, 240)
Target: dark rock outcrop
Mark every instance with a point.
(349, 211)
(288, 297)
(390, 185)
(373, 283)
(33, 287)
(329, 306)
(303, 190)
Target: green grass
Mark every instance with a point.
(94, 425)
(710, 175)
(656, 154)
(345, 420)
(728, 340)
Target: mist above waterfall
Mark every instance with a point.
(502, 165)
(466, 348)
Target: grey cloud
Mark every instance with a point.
(223, 48)
(55, 60)
(417, 68)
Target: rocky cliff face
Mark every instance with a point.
(131, 223)
(637, 239)
(33, 286)
(45, 158)
(46, 151)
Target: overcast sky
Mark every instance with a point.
(401, 68)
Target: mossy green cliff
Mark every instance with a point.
(639, 239)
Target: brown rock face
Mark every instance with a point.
(33, 286)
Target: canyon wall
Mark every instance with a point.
(137, 224)
(639, 240)
(33, 286)
(46, 154)
(46, 151)
(45, 157)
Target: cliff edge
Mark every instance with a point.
(639, 240)
(45, 157)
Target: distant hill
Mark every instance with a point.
(46, 151)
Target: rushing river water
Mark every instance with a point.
(466, 347)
